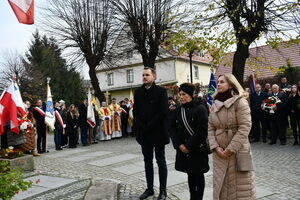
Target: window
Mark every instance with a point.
(201, 53)
(130, 76)
(196, 72)
(129, 54)
(110, 79)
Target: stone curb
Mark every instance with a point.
(103, 189)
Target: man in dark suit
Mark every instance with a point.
(82, 122)
(39, 116)
(259, 117)
(150, 118)
(277, 119)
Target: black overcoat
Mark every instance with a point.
(196, 161)
(150, 115)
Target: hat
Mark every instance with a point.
(187, 88)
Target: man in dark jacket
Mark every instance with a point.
(59, 128)
(150, 118)
(82, 122)
(277, 120)
(39, 115)
(259, 116)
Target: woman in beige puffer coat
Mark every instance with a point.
(228, 129)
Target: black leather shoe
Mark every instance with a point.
(147, 193)
(162, 195)
(271, 143)
(282, 143)
(264, 140)
(295, 143)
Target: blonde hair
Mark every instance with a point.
(237, 89)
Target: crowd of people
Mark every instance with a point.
(71, 126)
(271, 122)
(226, 129)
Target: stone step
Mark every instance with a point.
(103, 190)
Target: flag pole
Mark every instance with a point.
(46, 145)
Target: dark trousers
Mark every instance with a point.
(278, 129)
(57, 138)
(84, 134)
(295, 122)
(196, 186)
(259, 126)
(72, 137)
(147, 150)
(124, 124)
(64, 139)
(95, 133)
(41, 139)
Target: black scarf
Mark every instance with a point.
(224, 96)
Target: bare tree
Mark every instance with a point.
(12, 65)
(248, 21)
(87, 26)
(149, 22)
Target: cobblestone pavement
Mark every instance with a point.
(277, 170)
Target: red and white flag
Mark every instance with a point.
(24, 10)
(11, 104)
(90, 111)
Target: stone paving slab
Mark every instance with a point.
(65, 153)
(134, 168)
(88, 156)
(208, 193)
(113, 160)
(174, 178)
(263, 192)
(49, 181)
(277, 171)
(42, 183)
(186, 194)
(102, 190)
(34, 190)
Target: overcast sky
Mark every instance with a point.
(15, 37)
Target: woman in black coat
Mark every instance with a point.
(294, 112)
(72, 126)
(188, 134)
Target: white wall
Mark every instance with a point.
(165, 73)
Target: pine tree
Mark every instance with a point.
(44, 60)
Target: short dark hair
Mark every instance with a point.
(113, 99)
(153, 71)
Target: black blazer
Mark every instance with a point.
(294, 104)
(82, 119)
(196, 161)
(256, 101)
(40, 120)
(150, 115)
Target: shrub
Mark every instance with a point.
(11, 181)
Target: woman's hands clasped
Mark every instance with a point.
(225, 154)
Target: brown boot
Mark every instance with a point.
(34, 153)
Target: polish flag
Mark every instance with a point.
(11, 104)
(90, 111)
(24, 10)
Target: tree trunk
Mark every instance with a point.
(239, 61)
(95, 83)
(191, 65)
